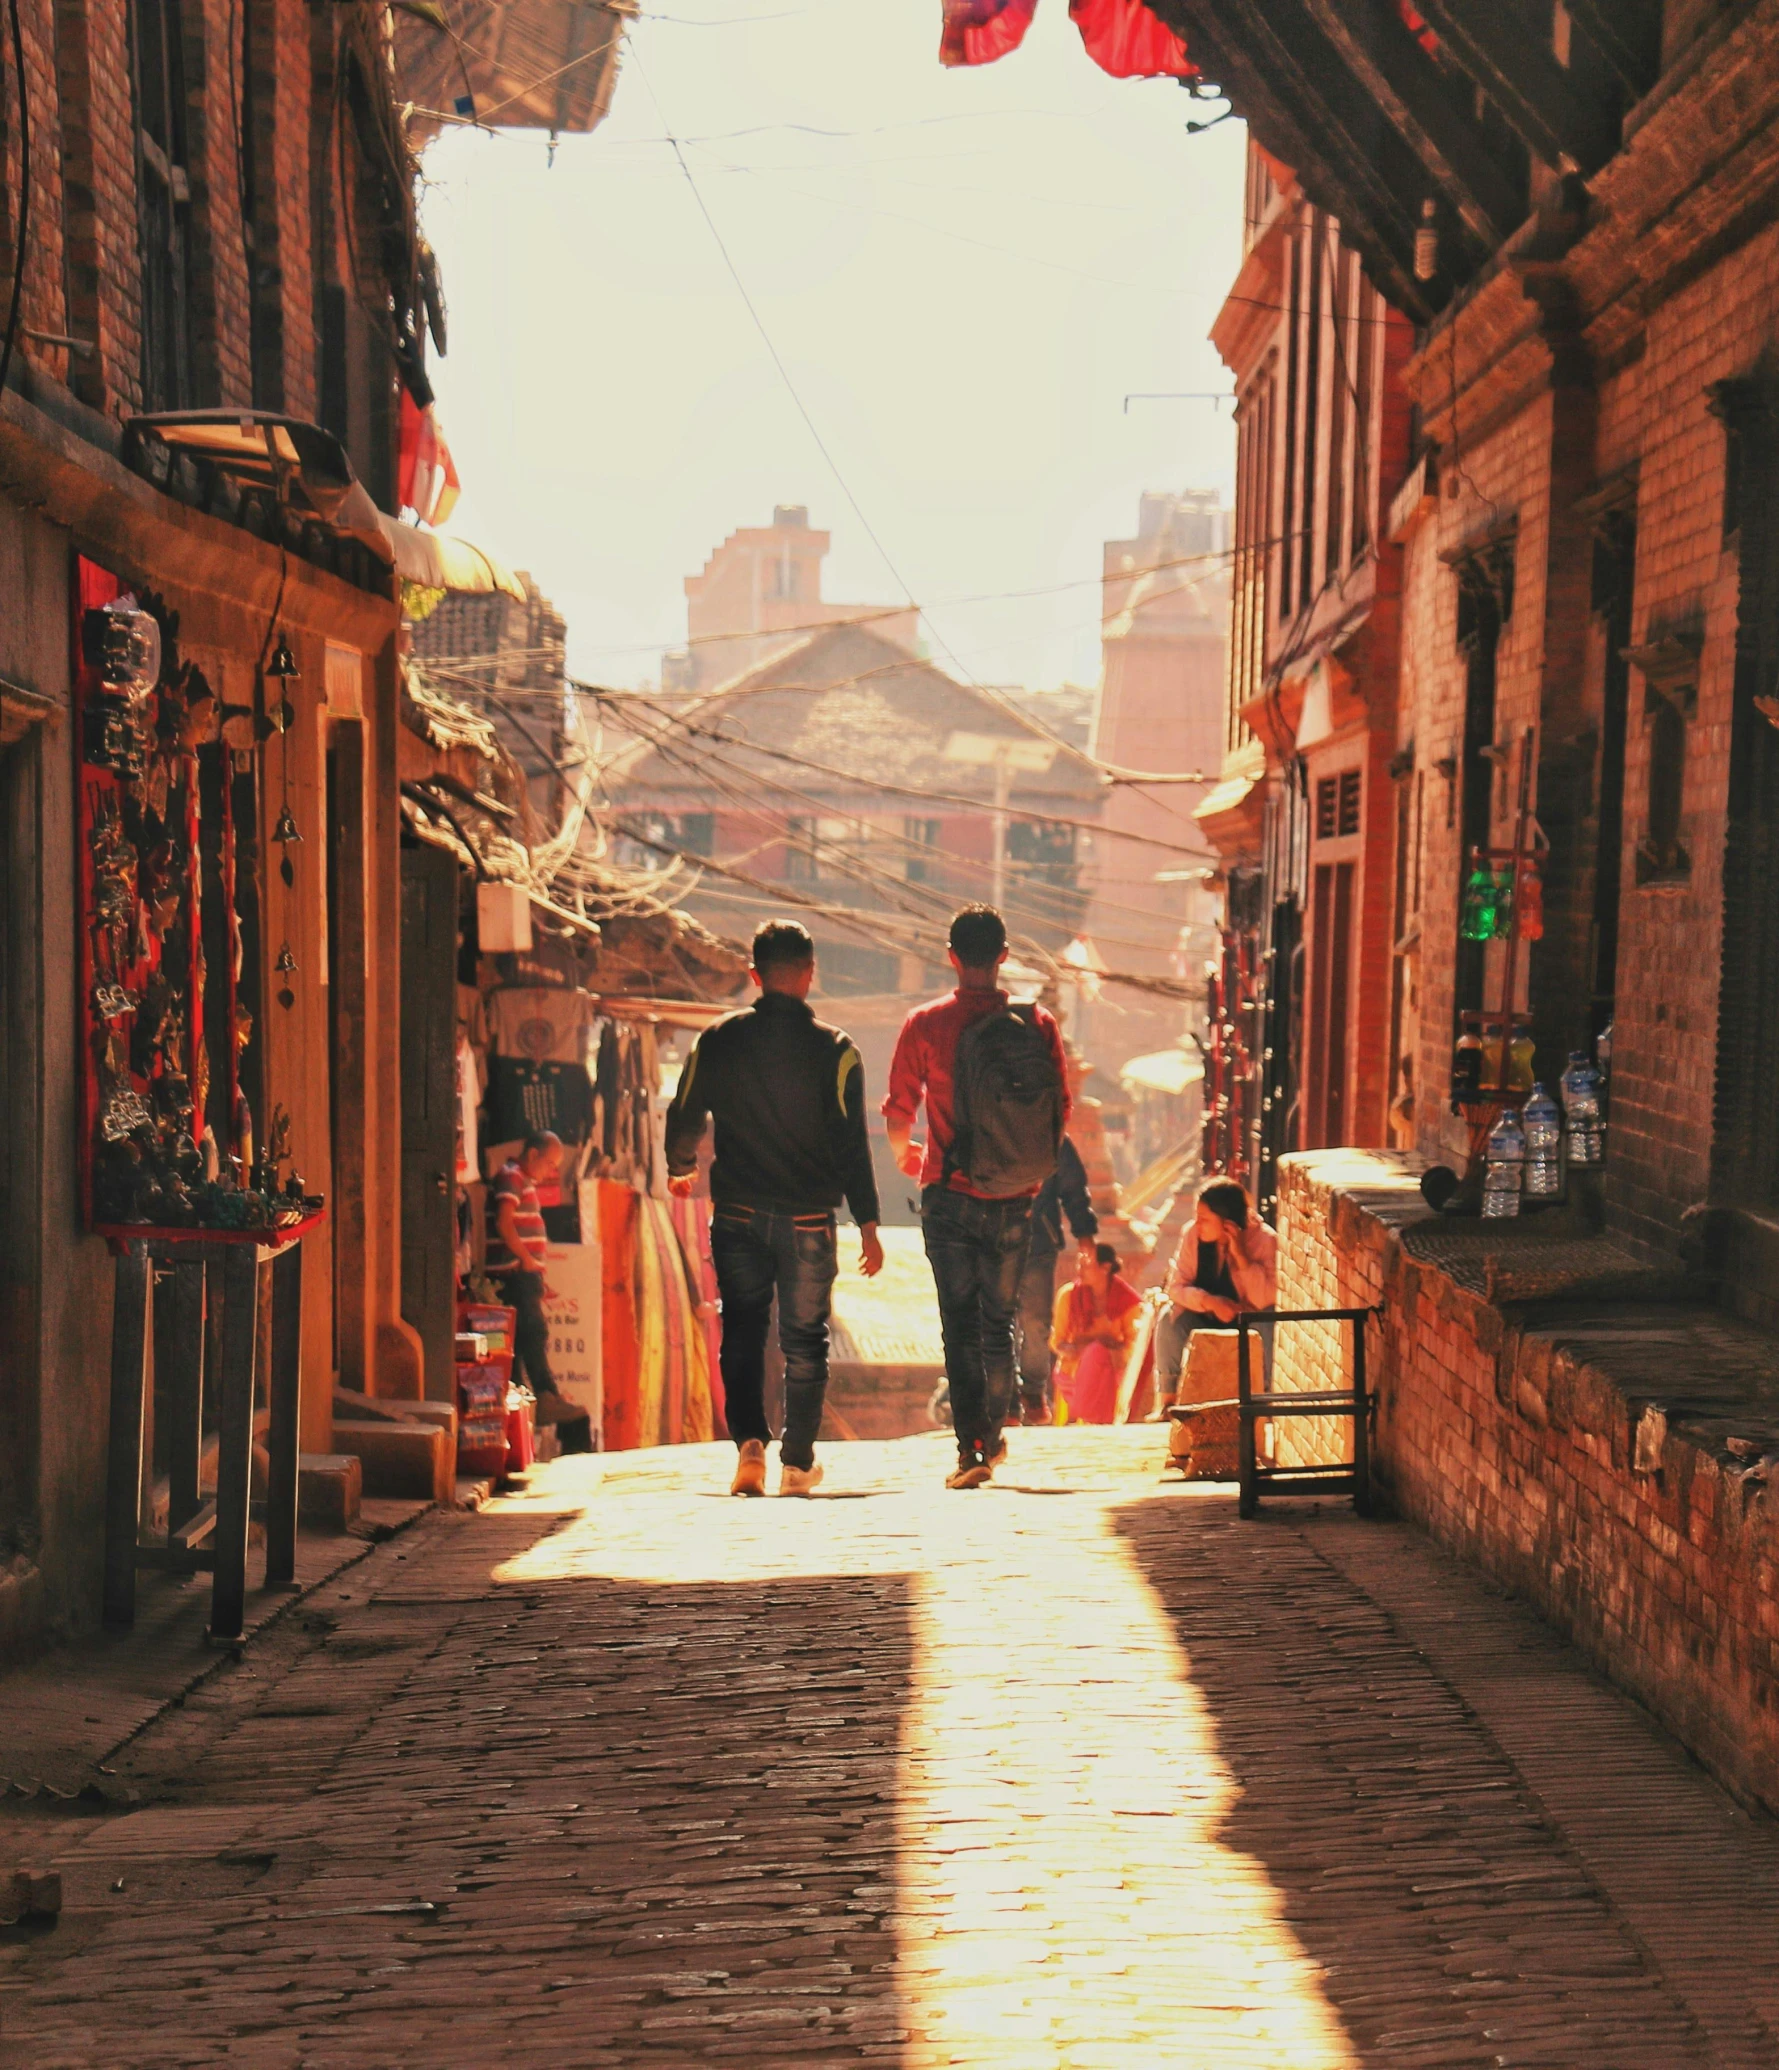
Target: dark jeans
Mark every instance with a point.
(1037, 1311)
(759, 1252)
(977, 1251)
(524, 1292)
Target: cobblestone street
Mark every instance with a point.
(1077, 1770)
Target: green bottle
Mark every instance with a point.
(1480, 906)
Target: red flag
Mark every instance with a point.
(1125, 39)
(426, 478)
(976, 32)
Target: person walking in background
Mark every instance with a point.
(516, 1256)
(1094, 1327)
(1226, 1265)
(992, 1077)
(787, 1095)
(1063, 1196)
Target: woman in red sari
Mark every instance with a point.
(1095, 1321)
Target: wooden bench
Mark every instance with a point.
(1354, 1403)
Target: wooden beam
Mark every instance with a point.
(1497, 43)
(1627, 34)
(1407, 85)
(1296, 126)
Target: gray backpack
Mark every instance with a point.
(1007, 1104)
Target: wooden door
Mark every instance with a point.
(429, 1107)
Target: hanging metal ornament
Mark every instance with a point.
(286, 968)
(284, 833)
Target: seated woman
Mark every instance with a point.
(1227, 1265)
(1095, 1321)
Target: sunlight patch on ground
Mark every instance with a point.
(1063, 1894)
(1065, 1898)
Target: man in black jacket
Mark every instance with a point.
(788, 1097)
(1063, 1194)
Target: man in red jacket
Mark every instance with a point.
(975, 1239)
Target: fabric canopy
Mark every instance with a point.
(1123, 37)
(434, 560)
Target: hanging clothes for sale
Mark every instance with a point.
(619, 1214)
(538, 1076)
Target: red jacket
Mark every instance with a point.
(925, 1052)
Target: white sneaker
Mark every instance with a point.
(799, 1480)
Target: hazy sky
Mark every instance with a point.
(965, 273)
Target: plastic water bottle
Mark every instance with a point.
(1543, 1127)
(1581, 1111)
(1504, 1163)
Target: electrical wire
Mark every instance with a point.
(784, 373)
(22, 228)
(876, 783)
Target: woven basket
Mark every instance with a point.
(1203, 1439)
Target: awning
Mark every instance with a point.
(435, 560)
(1163, 1071)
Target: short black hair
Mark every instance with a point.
(540, 1139)
(1106, 1255)
(978, 935)
(782, 945)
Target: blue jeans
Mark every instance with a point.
(1173, 1332)
(977, 1251)
(759, 1252)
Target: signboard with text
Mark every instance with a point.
(572, 1309)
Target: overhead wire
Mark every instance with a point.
(877, 783)
(1033, 895)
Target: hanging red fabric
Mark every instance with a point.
(1126, 39)
(976, 32)
(1416, 25)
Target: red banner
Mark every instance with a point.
(1125, 39)
(976, 32)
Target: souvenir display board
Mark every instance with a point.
(167, 1136)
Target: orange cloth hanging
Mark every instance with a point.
(618, 1218)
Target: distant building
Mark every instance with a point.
(851, 785)
(759, 594)
(1164, 648)
(508, 660)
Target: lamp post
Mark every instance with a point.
(1006, 754)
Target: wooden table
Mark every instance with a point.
(201, 1267)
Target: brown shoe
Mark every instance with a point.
(750, 1470)
(971, 1471)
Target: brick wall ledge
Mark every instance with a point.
(1602, 1447)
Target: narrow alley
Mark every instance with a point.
(1077, 1770)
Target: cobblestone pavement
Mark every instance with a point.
(1078, 1770)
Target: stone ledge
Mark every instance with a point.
(1604, 1449)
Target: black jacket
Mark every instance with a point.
(1064, 1192)
(788, 1096)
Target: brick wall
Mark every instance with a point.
(245, 123)
(1521, 1439)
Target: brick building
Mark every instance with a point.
(1303, 819)
(1573, 205)
(1164, 624)
(216, 319)
(758, 594)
